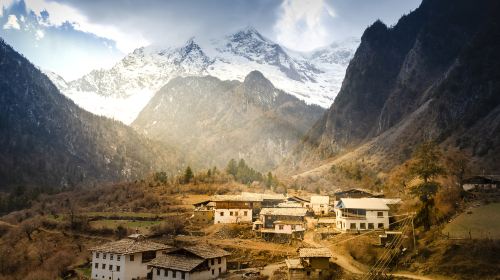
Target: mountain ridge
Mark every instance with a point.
(402, 88)
(131, 83)
(46, 140)
(212, 120)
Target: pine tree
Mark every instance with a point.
(232, 168)
(188, 175)
(427, 166)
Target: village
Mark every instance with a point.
(304, 230)
(277, 219)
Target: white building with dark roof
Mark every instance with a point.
(358, 214)
(197, 262)
(320, 204)
(125, 259)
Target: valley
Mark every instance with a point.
(236, 154)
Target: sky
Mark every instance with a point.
(73, 37)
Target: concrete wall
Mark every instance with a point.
(223, 216)
(128, 269)
(303, 274)
(111, 261)
(287, 228)
(211, 273)
(203, 216)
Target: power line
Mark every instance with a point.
(385, 260)
(367, 232)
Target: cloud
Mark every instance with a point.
(173, 22)
(56, 14)
(39, 35)
(301, 26)
(12, 23)
(55, 44)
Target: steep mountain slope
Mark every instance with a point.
(214, 121)
(122, 91)
(46, 140)
(433, 76)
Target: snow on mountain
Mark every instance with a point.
(122, 91)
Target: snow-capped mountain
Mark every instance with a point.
(122, 91)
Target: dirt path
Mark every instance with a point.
(410, 275)
(341, 260)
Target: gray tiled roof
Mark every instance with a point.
(175, 262)
(130, 246)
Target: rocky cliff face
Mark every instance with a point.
(46, 140)
(430, 77)
(213, 121)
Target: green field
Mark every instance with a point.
(483, 222)
(143, 226)
(124, 214)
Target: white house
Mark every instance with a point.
(320, 204)
(197, 262)
(233, 209)
(355, 214)
(125, 259)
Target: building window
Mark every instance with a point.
(103, 266)
(353, 225)
(220, 270)
(370, 226)
(219, 260)
(309, 273)
(380, 214)
(245, 213)
(165, 273)
(362, 226)
(212, 261)
(104, 256)
(96, 265)
(97, 255)
(222, 214)
(110, 267)
(118, 257)
(231, 213)
(213, 271)
(380, 225)
(183, 275)
(281, 227)
(117, 268)
(111, 257)
(236, 213)
(158, 271)
(293, 227)
(174, 274)
(131, 258)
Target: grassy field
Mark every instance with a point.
(483, 222)
(124, 214)
(142, 226)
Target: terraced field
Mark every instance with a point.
(482, 222)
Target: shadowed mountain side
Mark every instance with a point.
(433, 76)
(46, 140)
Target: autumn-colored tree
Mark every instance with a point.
(426, 165)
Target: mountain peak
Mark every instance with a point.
(247, 33)
(256, 76)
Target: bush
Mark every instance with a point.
(173, 225)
